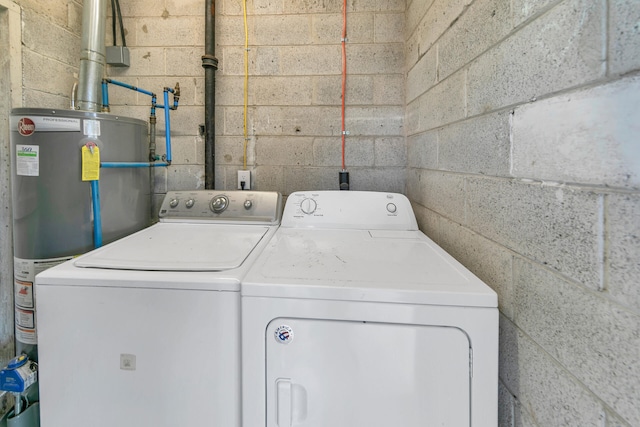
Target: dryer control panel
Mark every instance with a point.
(364, 210)
(222, 206)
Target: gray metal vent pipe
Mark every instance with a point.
(210, 64)
(92, 55)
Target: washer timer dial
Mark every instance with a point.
(219, 203)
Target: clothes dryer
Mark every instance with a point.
(351, 317)
(144, 332)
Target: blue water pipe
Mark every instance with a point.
(97, 219)
(119, 165)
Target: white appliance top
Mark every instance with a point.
(179, 247)
(355, 246)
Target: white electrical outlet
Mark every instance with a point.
(244, 177)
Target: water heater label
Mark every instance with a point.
(27, 160)
(24, 273)
(92, 127)
(28, 125)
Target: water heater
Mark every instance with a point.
(53, 219)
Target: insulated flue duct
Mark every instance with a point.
(92, 55)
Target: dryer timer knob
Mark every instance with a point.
(308, 206)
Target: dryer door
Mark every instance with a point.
(361, 374)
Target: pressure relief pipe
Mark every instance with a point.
(210, 65)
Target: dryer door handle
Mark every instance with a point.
(283, 396)
(291, 403)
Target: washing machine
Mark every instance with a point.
(145, 331)
(352, 317)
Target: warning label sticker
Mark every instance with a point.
(27, 160)
(24, 294)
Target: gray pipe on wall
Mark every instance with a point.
(210, 65)
(92, 55)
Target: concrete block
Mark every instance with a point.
(422, 150)
(427, 219)
(525, 9)
(281, 90)
(46, 75)
(184, 121)
(483, 24)
(269, 178)
(283, 30)
(172, 31)
(183, 150)
(390, 152)
(229, 151)
(254, 7)
(415, 13)
(184, 8)
(36, 98)
(159, 180)
(595, 340)
(441, 192)
(562, 49)
(374, 59)
(54, 10)
(309, 178)
(443, 103)
(411, 51)
(506, 406)
(440, 17)
(183, 61)
(388, 89)
(311, 60)
(623, 248)
(56, 42)
(624, 32)
(479, 145)
(327, 28)
(263, 61)
(74, 18)
(589, 137)
(389, 28)
(229, 31)
(284, 151)
(312, 6)
(556, 226)
(328, 152)
(377, 6)
(423, 75)
(146, 8)
(544, 388)
(375, 121)
(185, 177)
(231, 121)
(377, 179)
(296, 121)
(412, 117)
(145, 61)
(327, 90)
(492, 263)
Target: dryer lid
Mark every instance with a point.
(179, 247)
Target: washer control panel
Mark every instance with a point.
(226, 206)
(349, 209)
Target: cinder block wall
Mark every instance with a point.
(294, 90)
(524, 163)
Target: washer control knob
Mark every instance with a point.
(219, 204)
(308, 206)
(174, 202)
(189, 203)
(248, 204)
(391, 208)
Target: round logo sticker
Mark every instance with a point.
(283, 334)
(26, 126)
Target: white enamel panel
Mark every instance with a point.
(131, 357)
(344, 374)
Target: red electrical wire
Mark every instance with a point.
(344, 75)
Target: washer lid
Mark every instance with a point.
(179, 247)
(386, 266)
